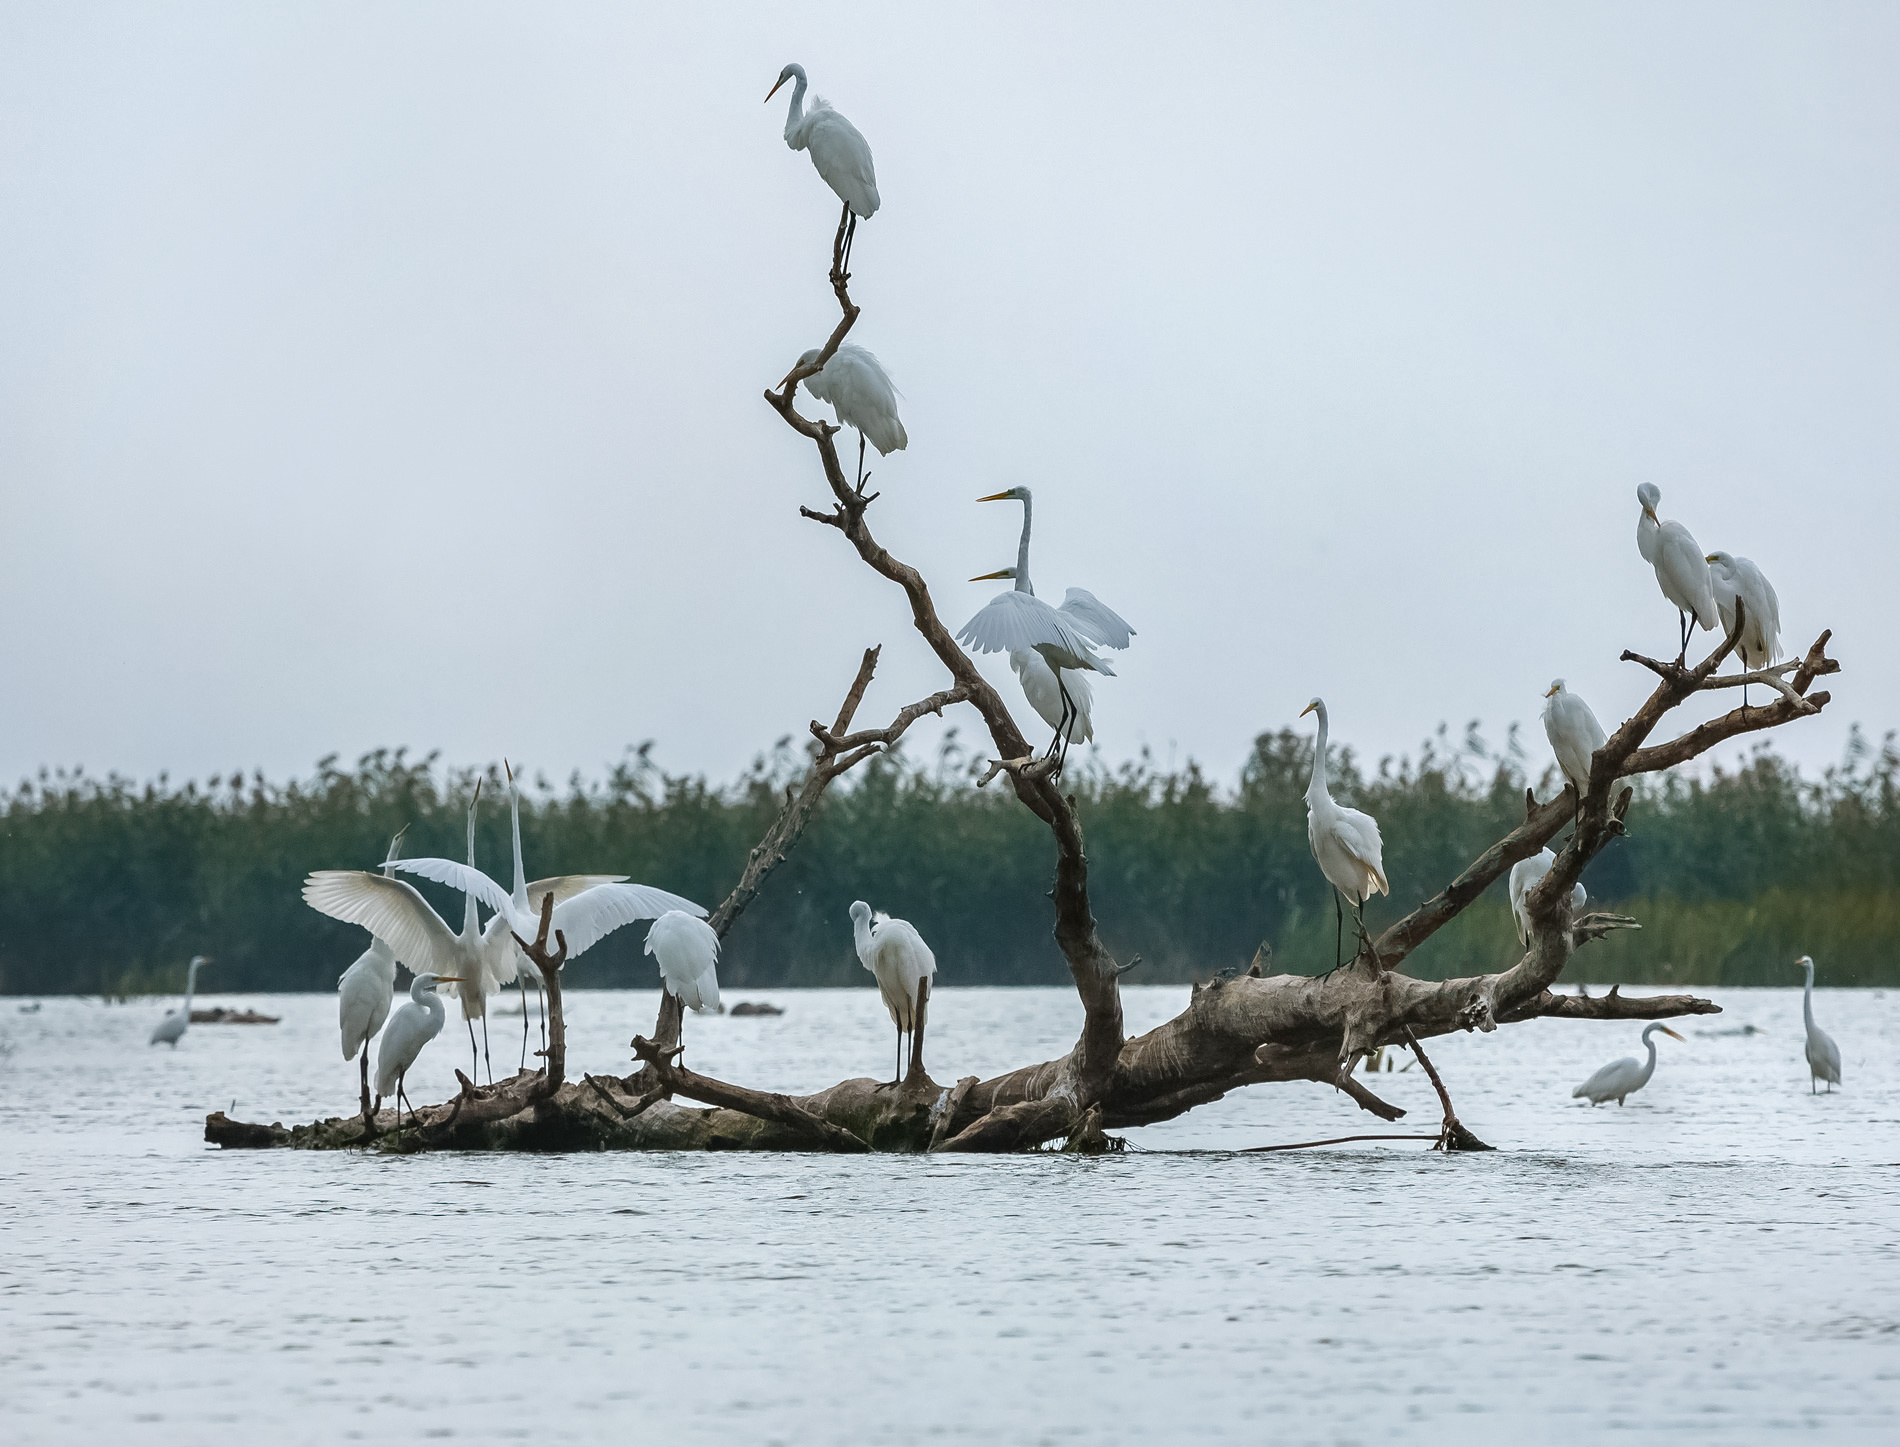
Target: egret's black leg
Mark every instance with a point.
(1683, 619)
(1339, 933)
(850, 235)
(860, 464)
(491, 1064)
(522, 980)
(838, 242)
(366, 1079)
(474, 1053)
(1062, 729)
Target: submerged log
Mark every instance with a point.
(218, 1015)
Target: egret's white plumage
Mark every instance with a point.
(1682, 568)
(1732, 578)
(859, 390)
(1345, 841)
(1824, 1056)
(366, 989)
(1525, 874)
(898, 958)
(168, 1030)
(1574, 735)
(841, 154)
(1623, 1077)
(412, 1027)
(687, 951)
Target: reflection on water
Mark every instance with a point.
(1718, 1258)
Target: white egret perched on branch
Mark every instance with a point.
(366, 988)
(392, 910)
(859, 390)
(415, 1025)
(686, 949)
(1527, 873)
(1345, 842)
(1732, 578)
(1042, 685)
(1824, 1056)
(168, 1030)
(900, 961)
(1574, 735)
(1623, 1077)
(841, 154)
(1682, 568)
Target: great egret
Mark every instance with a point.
(1525, 874)
(841, 154)
(687, 951)
(1824, 1056)
(1574, 735)
(168, 1030)
(896, 955)
(1042, 685)
(413, 1027)
(392, 910)
(1682, 568)
(1623, 1077)
(859, 390)
(1345, 842)
(364, 991)
(1732, 578)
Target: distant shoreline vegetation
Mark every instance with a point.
(108, 886)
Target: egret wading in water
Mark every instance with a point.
(1574, 735)
(168, 1030)
(1526, 874)
(1345, 842)
(1682, 568)
(1732, 578)
(841, 154)
(1824, 1056)
(902, 964)
(1044, 686)
(1623, 1077)
(366, 988)
(686, 949)
(859, 390)
(414, 1026)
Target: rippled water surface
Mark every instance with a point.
(1718, 1259)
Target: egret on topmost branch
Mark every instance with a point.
(841, 154)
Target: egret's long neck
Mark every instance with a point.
(861, 935)
(521, 875)
(796, 113)
(1022, 554)
(1649, 1065)
(1317, 788)
(427, 998)
(191, 986)
(1807, 998)
(471, 922)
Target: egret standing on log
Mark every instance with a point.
(1345, 842)
(859, 390)
(1732, 578)
(1526, 874)
(1682, 568)
(686, 949)
(1623, 1077)
(1574, 735)
(168, 1030)
(896, 955)
(1042, 685)
(1824, 1056)
(366, 988)
(415, 1025)
(841, 154)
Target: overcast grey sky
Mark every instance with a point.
(389, 374)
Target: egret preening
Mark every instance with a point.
(1345, 842)
(1682, 568)
(1574, 735)
(413, 1027)
(1043, 686)
(167, 1031)
(686, 949)
(841, 154)
(1824, 1056)
(1525, 874)
(1732, 578)
(1623, 1077)
(896, 955)
(859, 390)
(364, 992)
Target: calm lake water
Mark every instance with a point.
(1719, 1260)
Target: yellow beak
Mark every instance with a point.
(448, 979)
(1710, 558)
(1549, 691)
(1670, 1033)
(774, 90)
(985, 577)
(996, 497)
(1650, 513)
(1305, 711)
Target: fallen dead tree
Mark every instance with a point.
(1251, 1030)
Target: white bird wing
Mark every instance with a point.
(1045, 697)
(1605, 1081)
(391, 910)
(1098, 621)
(687, 951)
(1015, 620)
(1683, 569)
(856, 384)
(593, 914)
(843, 157)
(565, 886)
(1359, 833)
(464, 877)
